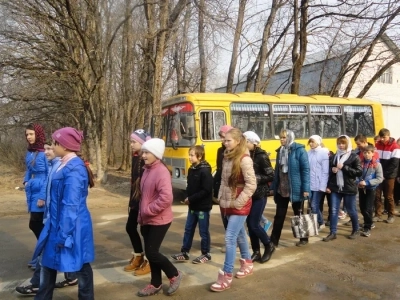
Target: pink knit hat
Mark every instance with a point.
(225, 128)
(69, 138)
(140, 136)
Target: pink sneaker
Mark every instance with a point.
(223, 283)
(246, 268)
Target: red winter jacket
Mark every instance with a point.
(389, 157)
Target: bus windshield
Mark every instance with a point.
(178, 125)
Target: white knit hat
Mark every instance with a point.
(252, 137)
(155, 146)
(317, 139)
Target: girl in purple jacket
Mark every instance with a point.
(155, 217)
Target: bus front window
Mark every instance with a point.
(179, 126)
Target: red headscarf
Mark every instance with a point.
(40, 139)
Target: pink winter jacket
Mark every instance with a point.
(229, 203)
(155, 206)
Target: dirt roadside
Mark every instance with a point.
(114, 194)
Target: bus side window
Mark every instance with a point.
(359, 119)
(210, 123)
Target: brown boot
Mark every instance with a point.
(134, 264)
(143, 269)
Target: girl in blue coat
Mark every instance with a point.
(66, 241)
(35, 177)
(291, 182)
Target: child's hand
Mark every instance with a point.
(186, 201)
(339, 166)
(362, 184)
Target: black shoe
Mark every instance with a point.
(27, 290)
(269, 249)
(366, 232)
(330, 237)
(354, 235)
(65, 283)
(256, 256)
(301, 243)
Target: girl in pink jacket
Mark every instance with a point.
(155, 217)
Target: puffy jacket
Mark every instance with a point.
(318, 159)
(389, 156)
(218, 172)
(199, 187)
(70, 223)
(264, 172)
(372, 173)
(228, 202)
(351, 170)
(298, 170)
(136, 172)
(36, 178)
(156, 200)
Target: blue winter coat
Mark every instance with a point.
(53, 166)
(35, 178)
(299, 173)
(67, 237)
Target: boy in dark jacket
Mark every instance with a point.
(371, 177)
(199, 199)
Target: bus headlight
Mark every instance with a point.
(177, 173)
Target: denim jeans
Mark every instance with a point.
(349, 202)
(256, 232)
(315, 199)
(48, 279)
(203, 219)
(35, 280)
(235, 234)
(366, 201)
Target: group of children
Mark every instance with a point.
(56, 184)
(244, 178)
(57, 189)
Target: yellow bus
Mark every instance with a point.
(195, 119)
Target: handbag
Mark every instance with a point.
(304, 225)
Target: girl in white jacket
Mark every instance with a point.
(318, 158)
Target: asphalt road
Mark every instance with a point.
(365, 268)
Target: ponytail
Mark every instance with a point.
(90, 174)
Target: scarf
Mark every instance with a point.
(284, 151)
(340, 157)
(40, 139)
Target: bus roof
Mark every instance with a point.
(217, 98)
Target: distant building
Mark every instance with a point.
(321, 71)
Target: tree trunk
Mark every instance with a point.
(235, 46)
(300, 41)
(202, 55)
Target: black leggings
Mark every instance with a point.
(36, 223)
(282, 204)
(153, 235)
(131, 229)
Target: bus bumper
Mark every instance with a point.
(179, 184)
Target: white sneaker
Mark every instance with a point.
(322, 226)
